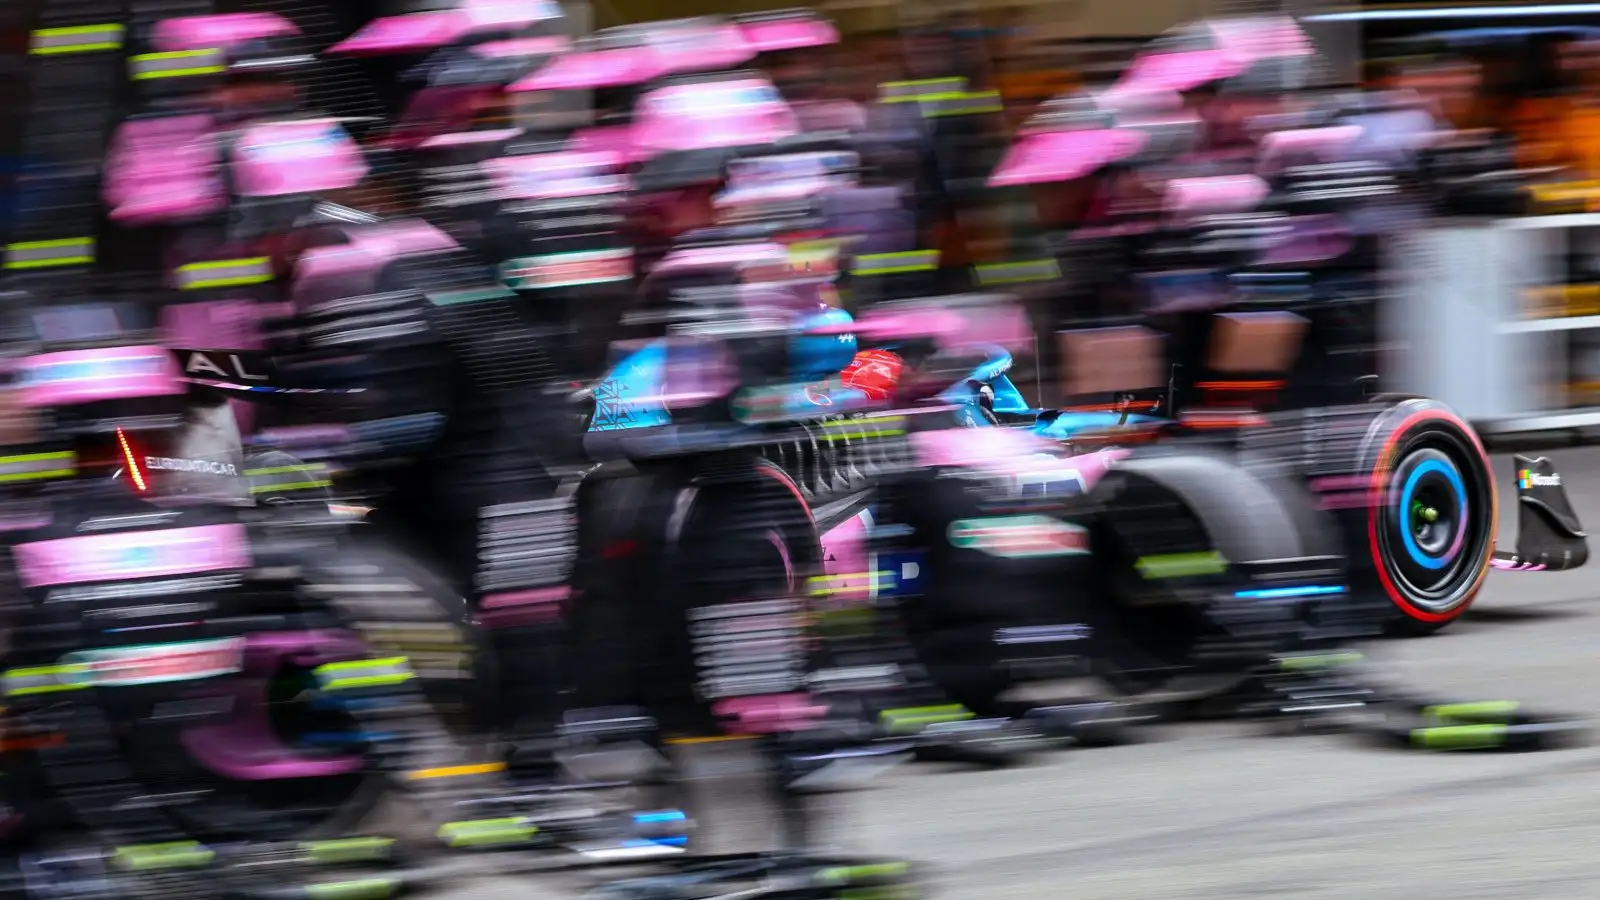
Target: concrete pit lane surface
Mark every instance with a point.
(1220, 811)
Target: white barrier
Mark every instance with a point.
(1463, 323)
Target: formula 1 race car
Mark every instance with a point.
(1407, 480)
(1405, 483)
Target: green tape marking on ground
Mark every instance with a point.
(1459, 737)
(908, 720)
(359, 889)
(344, 850)
(1314, 661)
(487, 832)
(1486, 709)
(847, 874)
(174, 855)
(882, 892)
(1181, 565)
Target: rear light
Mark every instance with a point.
(135, 472)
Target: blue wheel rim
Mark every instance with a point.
(1416, 552)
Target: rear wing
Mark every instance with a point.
(247, 375)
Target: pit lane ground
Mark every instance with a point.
(1221, 812)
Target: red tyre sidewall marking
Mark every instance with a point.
(783, 479)
(787, 483)
(1380, 478)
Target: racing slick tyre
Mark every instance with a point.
(740, 558)
(1411, 487)
(971, 595)
(679, 566)
(1431, 533)
(1182, 543)
(659, 545)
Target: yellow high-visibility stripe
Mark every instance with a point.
(75, 39)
